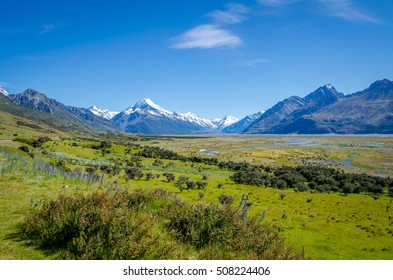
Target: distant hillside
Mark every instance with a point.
(324, 110)
(275, 115)
(36, 106)
(241, 125)
(328, 111)
(367, 111)
(57, 114)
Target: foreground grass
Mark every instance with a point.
(149, 225)
(330, 226)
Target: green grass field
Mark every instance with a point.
(322, 225)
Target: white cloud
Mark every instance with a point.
(27, 57)
(47, 28)
(276, 2)
(234, 14)
(255, 62)
(346, 10)
(207, 36)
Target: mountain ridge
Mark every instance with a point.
(325, 110)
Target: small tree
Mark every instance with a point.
(157, 162)
(149, 176)
(180, 181)
(225, 199)
(170, 177)
(134, 172)
(391, 192)
(191, 185)
(348, 188)
(201, 185)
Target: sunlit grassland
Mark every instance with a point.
(12, 126)
(374, 152)
(329, 226)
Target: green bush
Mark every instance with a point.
(98, 226)
(219, 232)
(149, 225)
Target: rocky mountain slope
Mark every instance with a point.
(324, 110)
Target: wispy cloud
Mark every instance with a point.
(3, 84)
(12, 30)
(255, 62)
(234, 14)
(276, 2)
(47, 28)
(346, 10)
(207, 36)
(27, 57)
(214, 35)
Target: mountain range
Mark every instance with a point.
(324, 110)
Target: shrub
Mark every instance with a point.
(149, 225)
(250, 177)
(25, 149)
(133, 172)
(98, 226)
(220, 232)
(390, 191)
(170, 177)
(225, 199)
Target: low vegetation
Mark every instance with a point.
(149, 225)
(123, 197)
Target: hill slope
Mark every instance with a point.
(37, 106)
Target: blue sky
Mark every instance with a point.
(210, 57)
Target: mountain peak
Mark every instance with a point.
(224, 122)
(381, 85)
(146, 103)
(326, 91)
(104, 113)
(3, 91)
(147, 106)
(32, 92)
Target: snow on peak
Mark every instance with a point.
(225, 121)
(105, 113)
(190, 117)
(329, 86)
(228, 120)
(146, 104)
(3, 91)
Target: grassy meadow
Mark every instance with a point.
(318, 225)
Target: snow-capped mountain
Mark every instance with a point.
(324, 110)
(104, 113)
(224, 122)
(149, 118)
(147, 106)
(190, 117)
(241, 125)
(3, 91)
